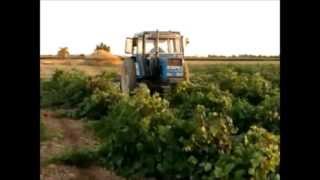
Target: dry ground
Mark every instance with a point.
(67, 134)
(91, 67)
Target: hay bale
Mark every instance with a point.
(105, 56)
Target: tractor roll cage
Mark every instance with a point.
(157, 35)
(162, 34)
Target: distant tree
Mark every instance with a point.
(103, 46)
(63, 53)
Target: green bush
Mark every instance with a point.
(143, 137)
(188, 95)
(82, 95)
(222, 125)
(254, 155)
(103, 94)
(251, 87)
(268, 113)
(64, 89)
(80, 158)
(43, 132)
(243, 114)
(219, 73)
(129, 132)
(155, 142)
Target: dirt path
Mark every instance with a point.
(67, 134)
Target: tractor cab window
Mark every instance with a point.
(166, 46)
(149, 46)
(176, 43)
(163, 46)
(140, 46)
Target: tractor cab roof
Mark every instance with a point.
(162, 34)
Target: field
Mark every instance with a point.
(48, 66)
(224, 124)
(91, 67)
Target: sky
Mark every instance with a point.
(213, 27)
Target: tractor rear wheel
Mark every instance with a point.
(128, 76)
(186, 75)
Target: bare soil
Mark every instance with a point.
(68, 134)
(90, 67)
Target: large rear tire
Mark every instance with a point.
(128, 76)
(186, 75)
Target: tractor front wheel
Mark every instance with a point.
(128, 76)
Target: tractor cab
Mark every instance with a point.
(157, 59)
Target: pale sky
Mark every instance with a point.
(213, 27)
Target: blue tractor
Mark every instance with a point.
(157, 59)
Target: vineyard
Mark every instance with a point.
(223, 124)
